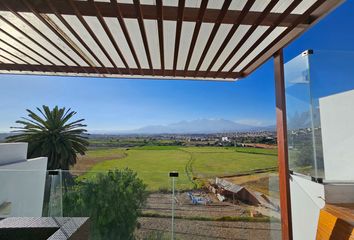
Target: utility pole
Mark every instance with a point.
(173, 175)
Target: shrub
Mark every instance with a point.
(112, 201)
(156, 235)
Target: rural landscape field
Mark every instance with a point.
(194, 164)
(198, 167)
(227, 187)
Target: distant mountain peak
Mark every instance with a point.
(199, 126)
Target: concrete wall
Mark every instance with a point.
(337, 123)
(306, 202)
(339, 193)
(22, 182)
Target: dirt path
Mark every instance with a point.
(85, 163)
(161, 204)
(201, 230)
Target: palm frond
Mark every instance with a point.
(50, 133)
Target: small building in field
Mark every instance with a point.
(233, 191)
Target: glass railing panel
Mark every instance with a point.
(331, 72)
(121, 205)
(53, 194)
(302, 119)
(332, 86)
(155, 221)
(319, 95)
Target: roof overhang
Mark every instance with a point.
(194, 39)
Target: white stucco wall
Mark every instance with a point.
(22, 182)
(12, 152)
(306, 202)
(337, 123)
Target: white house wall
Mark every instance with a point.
(22, 182)
(337, 118)
(307, 198)
(12, 152)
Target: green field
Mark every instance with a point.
(153, 163)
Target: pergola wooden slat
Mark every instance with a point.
(24, 20)
(313, 14)
(92, 34)
(125, 32)
(212, 35)
(181, 4)
(199, 21)
(160, 17)
(30, 48)
(7, 59)
(14, 56)
(30, 38)
(186, 59)
(41, 18)
(73, 32)
(264, 35)
(232, 31)
(248, 34)
(109, 34)
(149, 12)
(143, 33)
(115, 72)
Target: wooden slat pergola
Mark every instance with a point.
(201, 39)
(173, 39)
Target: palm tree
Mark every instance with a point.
(53, 136)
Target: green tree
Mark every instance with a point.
(112, 200)
(51, 134)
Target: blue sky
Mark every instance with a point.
(120, 104)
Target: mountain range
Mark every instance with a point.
(199, 126)
(194, 126)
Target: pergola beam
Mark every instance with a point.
(247, 35)
(7, 59)
(78, 14)
(181, 4)
(140, 18)
(201, 14)
(232, 31)
(109, 34)
(60, 36)
(125, 32)
(160, 14)
(283, 160)
(315, 13)
(32, 39)
(42, 69)
(265, 34)
(7, 8)
(72, 31)
(28, 47)
(212, 35)
(13, 56)
(19, 51)
(86, 49)
(150, 12)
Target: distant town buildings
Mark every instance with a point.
(225, 139)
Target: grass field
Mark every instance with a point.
(153, 167)
(153, 163)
